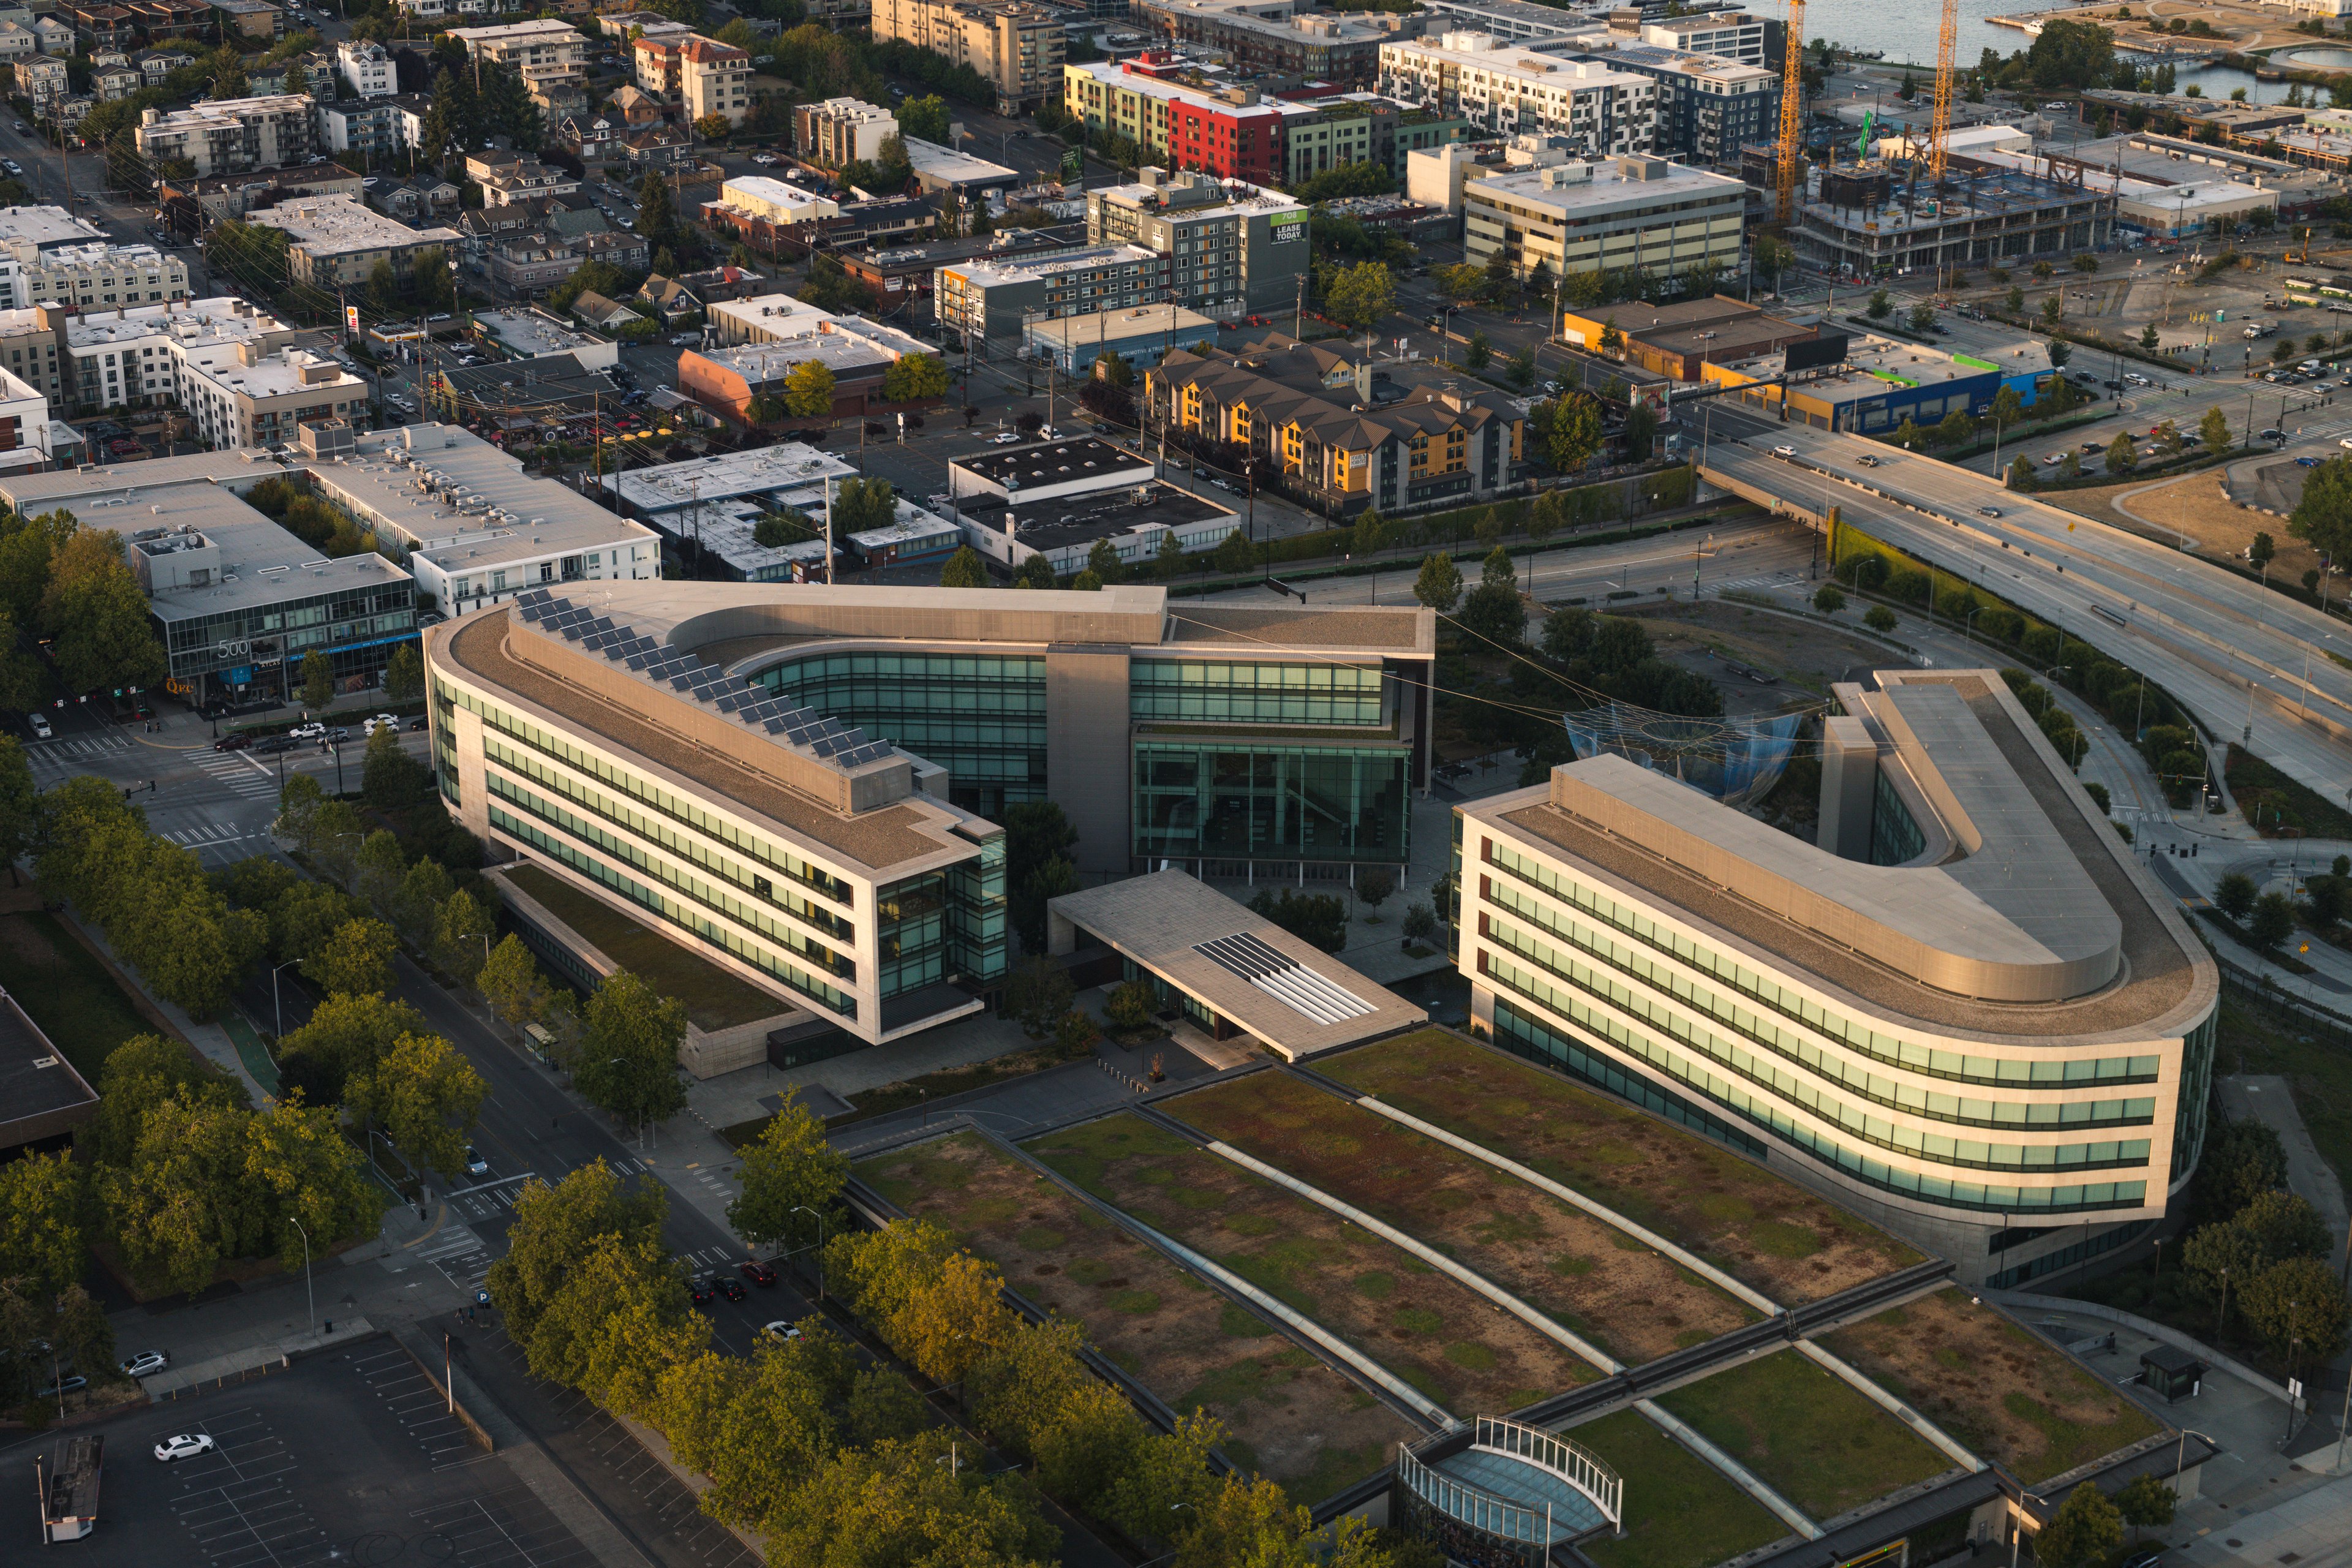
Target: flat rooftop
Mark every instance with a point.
(785, 468)
(462, 502)
(933, 162)
(1297, 998)
(1044, 463)
(760, 364)
(1998, 194)
(1872, 364)
(1060, 521)
(260, 562)
(41, 1095)
(338, 225)
(2029, 923)
(1123, 326)
(992, 273)
(47, 228)
(533, 332)
(1599, 189)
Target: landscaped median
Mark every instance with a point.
(1769, 1233)
(1631, 1301)
(1447, 1341)
(1286, 1414)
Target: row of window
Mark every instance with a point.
(1787, 1087)
(1892, 1050)
(670, 910)
(1849, 1075)
(1533, 1030)
(678, 808)
(1169, 688)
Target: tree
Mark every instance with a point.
(42, 1198)
(461, 929)
(1640, 428)
(2122, 456)
(2146, 1503)
(1829, 599)
(95, 616)
(2021, 476)
(403, 677)
(347, 1035)
(2273, 921)
(1571, 431)
(859, 505)
(318, 681)
(914, 377)
(2234, 895)
(2299, 1301)
(388, 777)
(808, 389)
(1882, 305)
(628, 1059)
(510, 983)
(1129, 1006)
(1318, 918)
(2323, 519)
(426, 1096)
(788, 1172)
(1879, 618)
(356, 960)
(1476, 352)
(2085, 1529)
(1038, 991)
(1439, 587)
(2281, 1225)
(2215, 430)
(1361, 295)
(964, 569)
(20, 804)
(2260, 553)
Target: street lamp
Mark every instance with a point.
(804, 1208)
(276, 1007)
(307, 1293)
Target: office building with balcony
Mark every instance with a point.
(1966, 1012)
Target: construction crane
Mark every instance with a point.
(1939, 131)
(1793, 93)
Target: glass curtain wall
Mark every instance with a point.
(1231, 799)
(979, 716)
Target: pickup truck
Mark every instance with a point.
(2262, 329)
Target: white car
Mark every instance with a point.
(381, 721)
(185, 1446)
(474, 1164)
(2345, 442)
(41, 731)
(780, 1330)
(765, 160)
(1048, 433)
(146, 1363)
(1004, 437)
(1784, 451)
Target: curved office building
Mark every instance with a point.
(798, 781)
(1967, 1012)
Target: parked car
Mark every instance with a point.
(146, 1363)
(382, 721)
(758, 1273)
(308, 732)
(188, 1446)
(765, 160)
(74, 1383)
(1004, 437)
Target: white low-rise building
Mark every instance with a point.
(775, 201)
(1663, 218)
(1509, 90)
(367, 67)
(534, 334)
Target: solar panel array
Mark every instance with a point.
(803, 729)
(1283, 978)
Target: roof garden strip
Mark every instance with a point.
(1746, 1479)
(1572, 1341)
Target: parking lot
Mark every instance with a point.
(343, 1458)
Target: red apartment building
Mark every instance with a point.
(1229, 132)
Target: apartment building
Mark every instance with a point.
(43, 80)
(841, 131)
(508, 178)
(367, 67)
(1230, 250)
(1233, 133)
(1015, 45)
(375, 127)
(336, 240)
(133, 355)
(1706, 108)
(1314, 416)
(543, 42)
(1280, 37)
(714, 79)
(231, 136)
(1726, 35)
(988, 299)
(1638, 213)
(94, 276)
(1508, 90)
(238, 394)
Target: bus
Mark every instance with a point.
(69, 1480)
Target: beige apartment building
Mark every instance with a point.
(335, 240)
(1017, 46)
(240, 395)
(713, 79)
(545, 42)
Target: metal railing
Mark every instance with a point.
(1482, 1510)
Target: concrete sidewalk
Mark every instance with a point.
(215, 1369)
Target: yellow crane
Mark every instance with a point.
(1940, 131)
(1792, 125)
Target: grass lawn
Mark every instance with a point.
(1994, 1386)
(2271, 800)
(1766, 1232)
(1806, 1434)
(1453, 1346)
(2252, 1040)
(1680, 1510)
(715, 999)
(66, 990)
(1634, 1302)
(1286, 1414)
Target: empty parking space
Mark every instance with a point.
(421, 1408)
(510, 1528)
(239, 1504)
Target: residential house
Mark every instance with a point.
(428, 200)
(662, 148)
(558, 90)
(101, 27)
(250, 18)
(16, 41)
(592, 140)
(637, 107)
(507, 178)
(616, 248)
(56, 38)
(592, 309)
(111, 82)
(367, 67)
(42, 80)
(716, 284)
(157, 63)
(669, 298)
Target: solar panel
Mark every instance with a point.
(734, 701)
(833, 746)
(870, 751)
(641, 660)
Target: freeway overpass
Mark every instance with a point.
(2253, 666)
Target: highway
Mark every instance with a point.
(2253, 666)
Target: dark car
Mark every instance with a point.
(234, 740)
(2142, 1557)
(759, 1274)
(270, 745)
(698, 1290)
(2113, 385)
(729, 1287)
(419, 722)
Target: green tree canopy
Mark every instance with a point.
(1361, 295)
(628, 1060)
(790, 1179)
(1439, 587)
(808, 389)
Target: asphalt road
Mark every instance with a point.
(2249, 663)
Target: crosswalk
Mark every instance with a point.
(240, 776)
(489, 1199)
(1756, 584)
(67, 755)
(460, 1256)
(211, 836)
